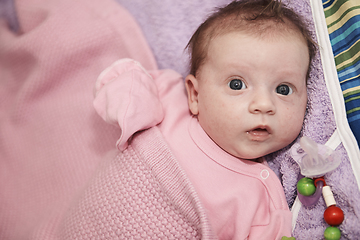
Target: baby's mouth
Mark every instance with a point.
(259, 133)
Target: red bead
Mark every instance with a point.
(333, 216)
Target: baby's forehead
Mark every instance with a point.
(269, 36)
(238, 50)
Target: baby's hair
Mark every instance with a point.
(257, 17)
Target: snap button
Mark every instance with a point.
(264, 174)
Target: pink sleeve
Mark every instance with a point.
(126, 95)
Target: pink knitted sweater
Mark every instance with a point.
(140, 194)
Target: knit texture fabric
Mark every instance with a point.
(140, 194)
(51, 139)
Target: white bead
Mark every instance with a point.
(328, 196)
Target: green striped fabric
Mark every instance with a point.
(343, 22)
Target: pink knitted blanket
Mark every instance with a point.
(51, 139)
(140, 194)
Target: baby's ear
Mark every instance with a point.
(191, 84)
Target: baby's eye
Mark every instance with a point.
(284, 89)
(237, 84)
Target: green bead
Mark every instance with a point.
(288, 238)
(306, 186)
(332, 233)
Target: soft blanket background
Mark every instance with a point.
(52, 142)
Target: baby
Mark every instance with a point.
(247, 96)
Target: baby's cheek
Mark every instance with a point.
(292, 123)
(297, 123)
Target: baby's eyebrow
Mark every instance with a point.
(288, 72)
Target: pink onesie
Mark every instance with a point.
(243, 199)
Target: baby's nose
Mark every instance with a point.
(262, 102)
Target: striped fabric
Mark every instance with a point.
(343, 21)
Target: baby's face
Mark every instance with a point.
(250, 95)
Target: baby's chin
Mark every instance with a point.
(249, 154)
(250, 157)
